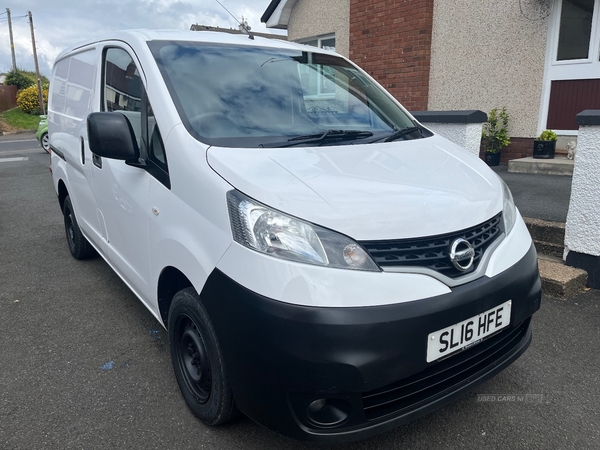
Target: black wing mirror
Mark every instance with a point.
(111, 135)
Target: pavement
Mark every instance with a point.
(84, 365)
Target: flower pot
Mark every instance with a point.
(543, 149)
(492, 159)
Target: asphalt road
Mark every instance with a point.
(84, 365)
(538, 196)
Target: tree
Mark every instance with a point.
(22, 79)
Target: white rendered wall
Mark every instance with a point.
(488, 54)
(582, 231)
(467, 135)
(312, 18)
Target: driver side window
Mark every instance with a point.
(124, 93)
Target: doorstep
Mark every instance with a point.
(560, 280)
(555, 166)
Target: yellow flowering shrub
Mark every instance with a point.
(28, 101)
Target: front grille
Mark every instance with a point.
(434, 252)
(446, 375)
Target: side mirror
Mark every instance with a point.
(110, 135)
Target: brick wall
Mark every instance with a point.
(391, 40)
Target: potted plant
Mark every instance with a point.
(495, 135)
(544, 145)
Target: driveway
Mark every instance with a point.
(84, 365)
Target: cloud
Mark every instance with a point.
(62, 23)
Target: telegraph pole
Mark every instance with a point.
(37, 68)
(12, 44)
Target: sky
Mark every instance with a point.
(61, 23)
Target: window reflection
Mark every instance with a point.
(123, 86)
(575, 29)
(234, 95)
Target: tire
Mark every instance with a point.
(45, 142)
(198, 361)
(78, 245)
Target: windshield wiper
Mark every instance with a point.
(325, 136)
(403, 132)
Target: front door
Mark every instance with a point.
(121, 190)
(572, 72)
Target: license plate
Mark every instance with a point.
(467, 333)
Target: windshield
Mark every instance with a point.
(244, 96)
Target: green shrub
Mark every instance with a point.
(19, 79)
(495, 131)
(547, 135)
(28, 100)
(22, 79)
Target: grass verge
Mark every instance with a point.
(18, 119)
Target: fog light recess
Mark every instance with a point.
(328, 412)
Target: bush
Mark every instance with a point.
(19, 79)
(495, 131)
(28, 100)
(22, 79)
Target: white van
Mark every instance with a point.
(323, 263)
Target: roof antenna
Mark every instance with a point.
(243, 24)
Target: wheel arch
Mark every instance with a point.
(170, 281)
(62, 193)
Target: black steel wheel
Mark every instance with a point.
(198, 361)
(193, 359)
(78, 245)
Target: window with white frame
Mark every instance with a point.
(324, 42)
(319, 82)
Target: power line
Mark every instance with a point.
(13, 18)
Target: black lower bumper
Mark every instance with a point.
(364, 367)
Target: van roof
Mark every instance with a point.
(142, 35)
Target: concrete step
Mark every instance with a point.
(555, 166)
(546, 231)
(560, 280)
(549, 249)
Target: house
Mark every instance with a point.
(240, 30)
(539, 58)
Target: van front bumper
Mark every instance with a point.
(341, 374)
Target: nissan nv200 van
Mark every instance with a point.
(323, 262)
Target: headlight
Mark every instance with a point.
(509, 211)
(268, 231)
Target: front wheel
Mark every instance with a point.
(78, 245)
(198, 361)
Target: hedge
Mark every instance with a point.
(28, 100)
